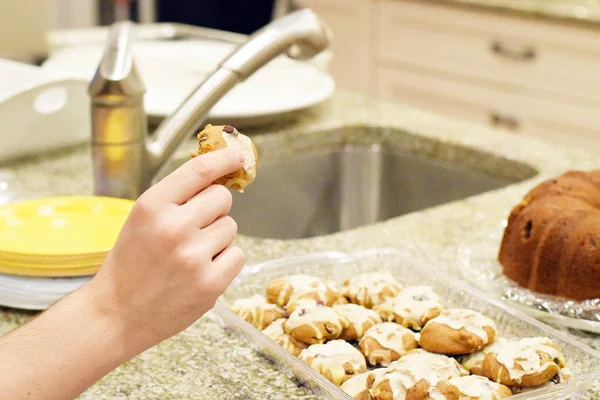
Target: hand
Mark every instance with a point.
(172, 259)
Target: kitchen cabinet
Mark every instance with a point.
(349, 21)
(528, 75)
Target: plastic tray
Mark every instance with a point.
(583, 361)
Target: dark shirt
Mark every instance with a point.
(240, 16)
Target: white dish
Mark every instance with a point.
(39, 110)
(172, 69)
(36, 293)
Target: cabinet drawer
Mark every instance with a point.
(516, 111)
(349, 21)
(538, 55)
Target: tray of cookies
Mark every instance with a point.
(380, 325)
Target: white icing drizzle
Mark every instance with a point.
(391, 337)
(244, 145)
(476, 387)
(313, 315)
(253, 309)
(476, 359)
(524, 353)
(357, 316)
(332, 356)
(355, 385)
(402, 378)
(444, 367)
(276, 333)
(301, 285)
(367, 288)
(472, 321)
(415, 302)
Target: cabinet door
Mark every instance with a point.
(516, 110)
(550, 58)
(350, 24)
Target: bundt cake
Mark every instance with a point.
(551, 243)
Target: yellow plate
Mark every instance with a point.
(49, 273)
(62, 226)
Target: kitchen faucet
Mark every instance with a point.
(125, 158)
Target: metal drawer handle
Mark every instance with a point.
(527, 53)
(505, 121)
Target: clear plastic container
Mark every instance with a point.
(583, 361)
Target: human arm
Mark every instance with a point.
(169, 265)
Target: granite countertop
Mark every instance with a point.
(578, 11)
(206, 361)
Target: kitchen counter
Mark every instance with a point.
(207, 362)
(576, 11)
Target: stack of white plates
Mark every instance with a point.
(36, 293)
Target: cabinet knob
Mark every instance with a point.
(504, 121)
(524, 53)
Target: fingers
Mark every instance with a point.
(219, 235)
(208, 205)
(228, 265)
(196, 174)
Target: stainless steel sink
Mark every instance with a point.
(360, 176)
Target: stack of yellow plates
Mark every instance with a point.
(50, 247)
(59, 237)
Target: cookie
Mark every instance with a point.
(479, 388)
(256, 311)
(358, 387)
(315, 324)
(336, 360)
(457, 331)
(360, 319)
(220, 137)
(444, 367)
(563, 376)
(474, 362)
(292, 288)
(413, 307)
(370, 289)
(387, 342)
(412, 381)
(526, 362)
(276, 333)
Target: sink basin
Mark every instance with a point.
(360, 176)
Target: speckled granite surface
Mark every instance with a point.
(578, 11)
(205, 361)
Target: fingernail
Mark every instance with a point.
(240, 156)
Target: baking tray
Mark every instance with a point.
(583, 361)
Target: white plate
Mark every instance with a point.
(171, 70)
(36, 293)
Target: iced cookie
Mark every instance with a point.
(360, 319)
(257, 311)
(413, 307)
(474, 362)
(527, 362)
(563, 376)
(386, 342)
(315, 324)
(358, 387)
(370, 289)
(220, 137)
(292, 288)
(412, 381)
(336, 360)
(457, 331)
(444, 367)
(276, 332)
(479, 388)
